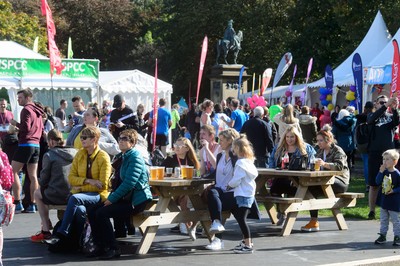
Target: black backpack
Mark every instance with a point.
(363, 132)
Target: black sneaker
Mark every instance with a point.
(243, 250)
(175, 229)
(371, 215)
(381, 239)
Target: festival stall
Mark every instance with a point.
(20, 68)
(136, 87)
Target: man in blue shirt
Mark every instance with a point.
(238, 117)
(164, 121)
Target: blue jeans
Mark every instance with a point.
(75, 202)
(364, 157)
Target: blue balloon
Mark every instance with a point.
(322, 97)
(323, 91)
(325, 102)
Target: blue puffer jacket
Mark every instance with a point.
(134, 174)
(343, 130)
(273, 162)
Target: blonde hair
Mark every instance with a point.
(392, 154)
(283, 147)
(229, 134)
(191, 154)
(288, 115)
(93, 132)
(243, 147)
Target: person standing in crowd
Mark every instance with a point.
(77, 117)
(134, 178)
(268, 120)
(238, 117)
(122, 117)
(325, 118)
(206, 110)
(259, 133)
(175, 127)
(363, 148)
(5, 118)
(330, 157)
(88, 178)
(390, 199)
(335, 112)
(382, 124)
(164, 121)
(286, 119)
(244, 190)
(141, 122)
(343, 130)
(106, 110)
(91, 118)
(308, 125)
(226, 106)
(275, 109)
(61, 114)
(209, 150)
(54, 186)
(316, 111)
(192, 126)
(30, 132)
(217, 122)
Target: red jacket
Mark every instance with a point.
(31, 125)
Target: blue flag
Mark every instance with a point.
(329, 78)
(240, 80)
(358, 80)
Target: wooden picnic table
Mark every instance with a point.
(166, 210)
(303, 199)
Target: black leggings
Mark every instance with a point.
(241, 214)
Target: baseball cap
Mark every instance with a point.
(118, 99)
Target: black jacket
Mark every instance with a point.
(383, 127)
(259, 133)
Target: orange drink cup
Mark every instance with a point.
(184, 171)
(317, 165)
(153, 173)
(160, 173)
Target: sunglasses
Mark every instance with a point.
(85, 137)
(382, 102)
(179, 146)
(123, 139)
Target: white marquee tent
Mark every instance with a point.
(136, 87)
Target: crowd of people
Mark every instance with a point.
(225, 141)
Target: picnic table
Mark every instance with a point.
(166, 211)
(303, 199)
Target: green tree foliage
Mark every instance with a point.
(21, 27)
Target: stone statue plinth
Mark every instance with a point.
(224, 81)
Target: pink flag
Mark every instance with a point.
(55, 59)
(155, 107)
(304, 94)
(189, 101)
(201, 68)
(266, 78)
(395, 71)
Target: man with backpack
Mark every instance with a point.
(383, 125)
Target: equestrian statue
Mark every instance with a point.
(230, 42)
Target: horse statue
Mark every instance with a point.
(224, 46)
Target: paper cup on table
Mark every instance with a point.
(160, 172)
(168, 172)
(153, 172)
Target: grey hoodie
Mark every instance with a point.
(308, 128)
(54, 175)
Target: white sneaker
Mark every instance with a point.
(183, 229)
(216, 227)
(216, 244)
(192, 231)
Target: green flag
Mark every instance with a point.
(36, 45)
(70, 52)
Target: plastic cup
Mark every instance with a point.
(160, 173)
(317, 165)
(184, 171)
(168, 172)
(188, 170)
(177, 172)
(153, 173)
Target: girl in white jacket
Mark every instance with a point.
(244, 185)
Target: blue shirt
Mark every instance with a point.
(164, 116)
(239, 117)
(391, 201)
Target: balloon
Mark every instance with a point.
(261, 101)
(329, 97)
(249, 100)
(322, 97)
(323, 91)
(350, 96)
(324, 102)
(252, 105)
(288, 93)
(353, 103)
(330, 107)
(254, 98)
(352, 88)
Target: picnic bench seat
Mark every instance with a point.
(350, 195)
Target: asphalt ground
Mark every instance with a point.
(328, 246)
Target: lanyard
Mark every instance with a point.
(179, 161)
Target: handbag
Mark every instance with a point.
(298, 163)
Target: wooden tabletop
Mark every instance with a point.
(298, 173)
(177, 182)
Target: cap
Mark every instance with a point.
(118, 99)
(369, 105)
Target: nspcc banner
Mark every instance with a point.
(23, 68)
